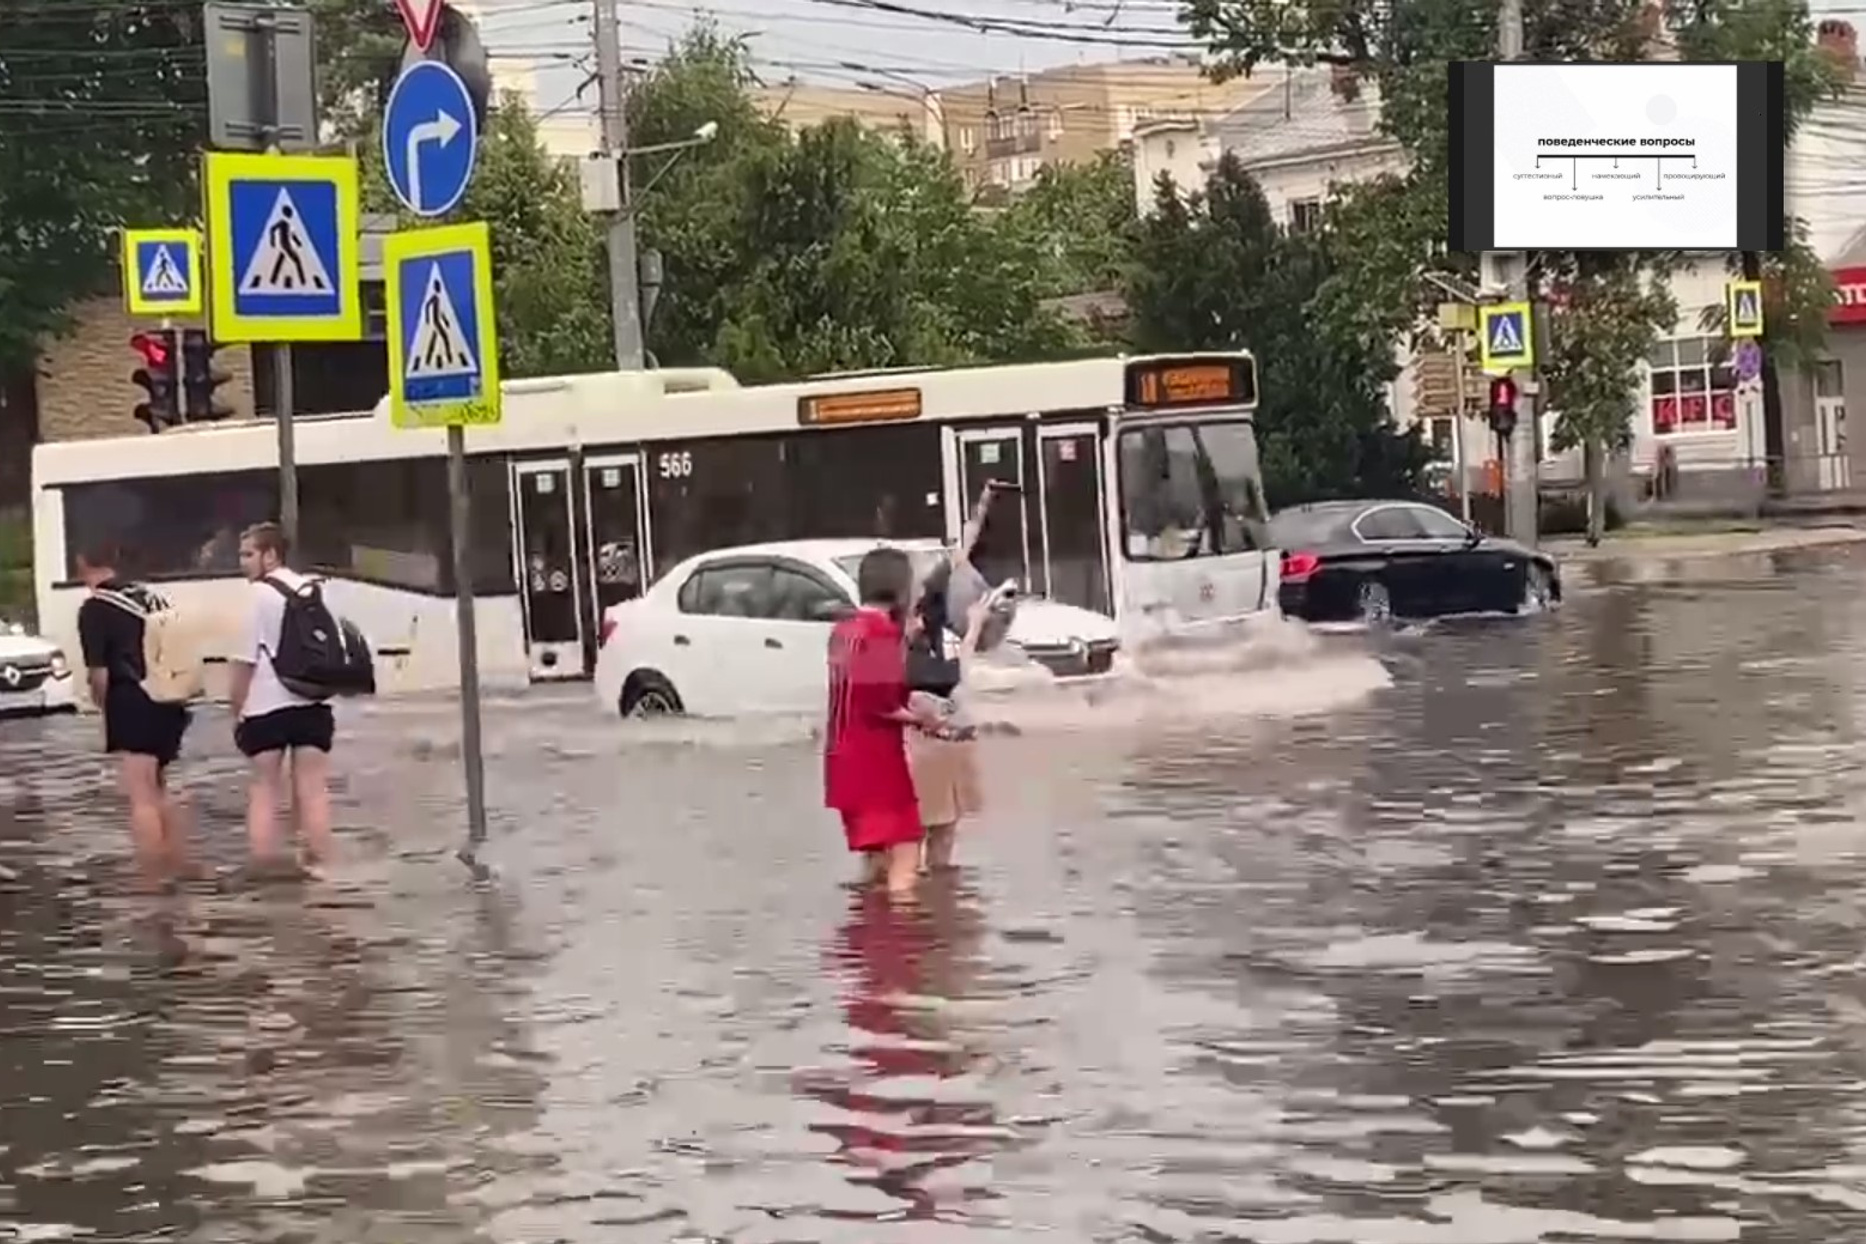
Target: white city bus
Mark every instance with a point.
(1140, 497)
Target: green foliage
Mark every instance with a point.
(1214, 271)
(1602, 324)
(101, 109)
(1077, 224)
(1391, 231)
(836, 249)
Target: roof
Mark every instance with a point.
(1305, 115)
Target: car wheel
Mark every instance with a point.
(650, 695)
(1374, 603)
(1537, 591)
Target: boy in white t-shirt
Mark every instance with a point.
(273, 722)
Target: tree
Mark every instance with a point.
(549, 268)
(102, 109)
(1077, 222)
(1402, 46)
(1601, 328)
(835, 248)
(1215, 271)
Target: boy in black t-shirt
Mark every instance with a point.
(145, 736)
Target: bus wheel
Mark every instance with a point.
(647, 694)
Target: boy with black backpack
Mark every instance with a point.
(297, 656)
(143, 670)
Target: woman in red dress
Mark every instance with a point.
(865, 773)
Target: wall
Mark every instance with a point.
(1310, 177)
(84, 377)
(1179, 151)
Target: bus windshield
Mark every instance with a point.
(1191, 490)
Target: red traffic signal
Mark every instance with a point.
(156, 378)
(1503, 404)
(156, 348)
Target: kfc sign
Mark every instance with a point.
(1850, 306)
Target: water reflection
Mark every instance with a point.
(913, 1114)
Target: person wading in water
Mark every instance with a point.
(865, 773)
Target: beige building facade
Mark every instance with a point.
(884, 108)
(1002, 132)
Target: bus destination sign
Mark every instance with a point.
(874, 406)
(1170, 384)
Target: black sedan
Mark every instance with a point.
(1376, 560)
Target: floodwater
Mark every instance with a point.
(1552, 932)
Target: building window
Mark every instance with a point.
(1693, 386)
(968, 140)
(1054, 126)
(1443, 429)
(1305, 215)
(1829, 380)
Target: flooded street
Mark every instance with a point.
(1557, 937)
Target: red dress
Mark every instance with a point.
(865, 774)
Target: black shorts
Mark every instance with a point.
(135, 725)
(302, 725)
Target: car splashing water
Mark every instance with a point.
(1267, 667)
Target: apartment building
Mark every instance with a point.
(883, 107)
(1003, 131)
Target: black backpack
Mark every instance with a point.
(320, 655)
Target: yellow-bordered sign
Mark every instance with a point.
(284, 262)
(162, 272)
(1743, 299)
(1506, 337)
(443, 329)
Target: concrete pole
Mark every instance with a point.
(1510, 271)
(624, 265)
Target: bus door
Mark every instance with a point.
(997, 453)
(549, 585)
(615, 537)
(1071, 495)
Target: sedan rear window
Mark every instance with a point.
(1299, 529)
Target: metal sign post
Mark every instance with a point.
(444, 372)
(262, 97)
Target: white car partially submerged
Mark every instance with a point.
(34, 675)
(745, 630)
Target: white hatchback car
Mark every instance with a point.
(34, 675)
(745, 630)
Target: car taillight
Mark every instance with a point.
(609, 628)
(1299, 567)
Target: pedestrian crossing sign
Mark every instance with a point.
(443, 331)
(283, 233)
(162, 271)
(1505, 337)
(1745, 306)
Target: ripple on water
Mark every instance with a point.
(1496, 932)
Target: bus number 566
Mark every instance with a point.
(677, 466)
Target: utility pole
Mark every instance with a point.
(624, 274)
(1510, 270)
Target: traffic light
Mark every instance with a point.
(199, 379)
(1503, 404)
(156, 377)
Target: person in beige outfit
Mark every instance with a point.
(945, 759)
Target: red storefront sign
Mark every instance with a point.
(1851, 307)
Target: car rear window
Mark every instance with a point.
(1297, 529)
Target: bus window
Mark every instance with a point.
(883, 481)
(181, 526)
(1191, 490)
